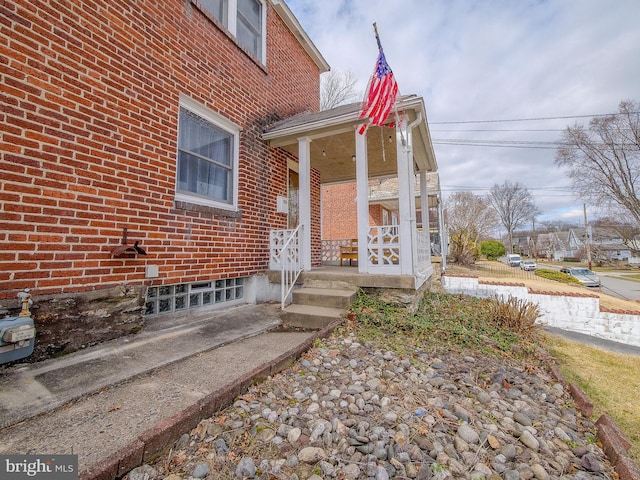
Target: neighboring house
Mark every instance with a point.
(604, 244)
(559, 246)
(339, 211)
(160, 157)
(552, 245)
(521, 245)
(609, 245)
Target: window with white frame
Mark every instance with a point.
(207, 157)
(245, 19)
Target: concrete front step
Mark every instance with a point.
(324, 297)
(310, 316)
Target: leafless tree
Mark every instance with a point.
(337, 88)
(469, 219)
(603, 161)
(547, 226)
(514, 205)
(619, 225)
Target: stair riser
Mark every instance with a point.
(323, 300)
(315, 322)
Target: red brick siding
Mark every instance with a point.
(375, 215)
(90, 93)
(340, 212)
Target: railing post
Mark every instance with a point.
(289, 262)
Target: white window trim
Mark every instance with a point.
(232, 22)
(229, 127)
(232, 26)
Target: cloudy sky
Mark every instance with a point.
(542, 64)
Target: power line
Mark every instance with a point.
(534, 119)
(501, 130)
(537, 144)
(494, 145)
(537, 191)
(561, 188)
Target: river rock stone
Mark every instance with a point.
(351, 410)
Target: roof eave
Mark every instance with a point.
(303, 128)
(353, 117)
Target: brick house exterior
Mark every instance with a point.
(339, 212)
(92, 93)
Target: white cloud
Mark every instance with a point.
(492, 60)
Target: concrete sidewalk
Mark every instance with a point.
(118, 404)
(592, 341)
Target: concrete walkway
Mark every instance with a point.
(119, 403)
(601, 343)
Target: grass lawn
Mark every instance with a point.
(610, 380)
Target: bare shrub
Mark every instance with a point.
(515, 314)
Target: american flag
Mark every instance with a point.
(381, 95)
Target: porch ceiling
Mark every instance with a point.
(333, 141)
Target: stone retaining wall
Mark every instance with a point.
(569, 311)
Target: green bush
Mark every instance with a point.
(556, 275)
(492, 249)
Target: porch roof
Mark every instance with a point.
(333, 140)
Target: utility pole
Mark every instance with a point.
(533, 237)
(586, 235)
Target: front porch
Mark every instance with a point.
(321, 296)
(392, 252)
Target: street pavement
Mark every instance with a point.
(592, 341)
(617, 285)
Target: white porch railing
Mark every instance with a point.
(424, 251)
(285, 256)
(383, 248)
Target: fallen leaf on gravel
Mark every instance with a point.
(493, 441)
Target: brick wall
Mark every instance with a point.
(340, 212)
(89, 141)
(90, 94)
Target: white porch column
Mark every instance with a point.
(424, 204)
(362, 197)
(444, 240)
(304, 176)
(406, 203)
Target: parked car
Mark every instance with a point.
(513, 260)
(528, 265)
(585, 276)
